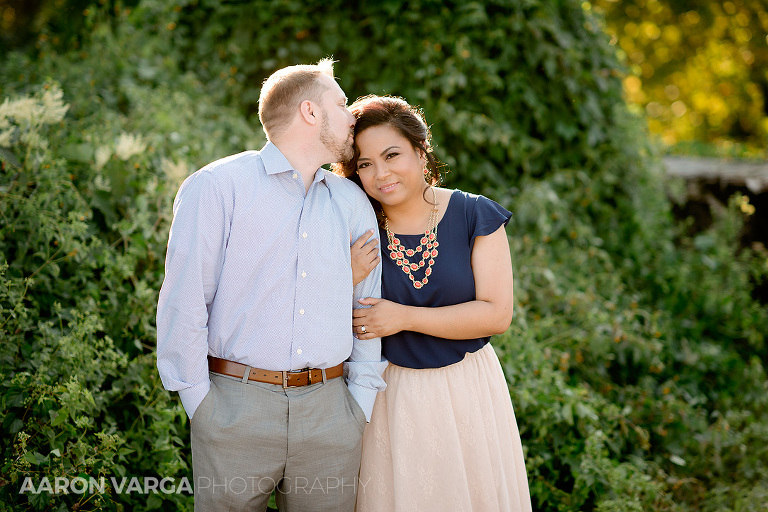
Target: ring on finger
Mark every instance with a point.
(362, 329)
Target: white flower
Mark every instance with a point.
(53, 106)
(33, 139)
(22, 111)
(29, 114)
(129, 145)
(102, 183)
(5, 138)
(103, 153)
(176, 172)
(4, 122)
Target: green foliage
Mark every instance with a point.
(510, 87)
(86, 203)
(79, 392)
(637, 356)
(663, 363)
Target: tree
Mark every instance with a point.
(697, 69)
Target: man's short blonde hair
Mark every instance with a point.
(284, 90)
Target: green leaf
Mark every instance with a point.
(35, 458)
(59, 417)
(9, 158)
(82, 152)
(567, 413)
(675, 459)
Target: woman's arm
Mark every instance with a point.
(365, 256)
(490, 313)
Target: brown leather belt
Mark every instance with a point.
(288, 379)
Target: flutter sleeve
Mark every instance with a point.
(488, 216)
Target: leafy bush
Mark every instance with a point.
(86, 202)
(636, 359)
(676, 391)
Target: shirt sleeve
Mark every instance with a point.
(193, 264)
(365, 365)
(487, 217)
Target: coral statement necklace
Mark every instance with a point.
(427, 247)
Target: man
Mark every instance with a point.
(258, 285)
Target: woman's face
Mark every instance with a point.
(390, 168)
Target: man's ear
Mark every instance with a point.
(308, 112)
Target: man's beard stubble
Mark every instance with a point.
(342, 151)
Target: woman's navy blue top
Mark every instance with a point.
(451, 282)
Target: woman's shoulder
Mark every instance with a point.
(455, 203)
(455, 196)
(460, 199)
(479, 211)
(460, 195)
(476, 199)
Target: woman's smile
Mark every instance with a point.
(387, 188)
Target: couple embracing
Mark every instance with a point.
(312, 362)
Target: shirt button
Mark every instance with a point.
(303, 274)
(295, 175)
(298, 351)
(301, 311)
(304, 235)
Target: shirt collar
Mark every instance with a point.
(275, 162)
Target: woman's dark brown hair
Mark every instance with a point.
(408, 120)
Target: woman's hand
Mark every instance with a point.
(383, 318)
(365, 256)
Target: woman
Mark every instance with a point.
(443, 435)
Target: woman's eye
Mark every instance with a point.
(391, 155)
(362, 166)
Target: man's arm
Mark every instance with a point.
(366, 364)
(192, 267)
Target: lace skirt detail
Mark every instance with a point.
(444, 439)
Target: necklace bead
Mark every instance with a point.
(427, 249)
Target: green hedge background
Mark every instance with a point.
(636, 358)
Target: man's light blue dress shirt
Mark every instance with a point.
(258, 273)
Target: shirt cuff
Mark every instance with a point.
(365, 397)
(192, 397)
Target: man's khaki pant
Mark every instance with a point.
(250, 438)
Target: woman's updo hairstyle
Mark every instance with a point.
(408, 120)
